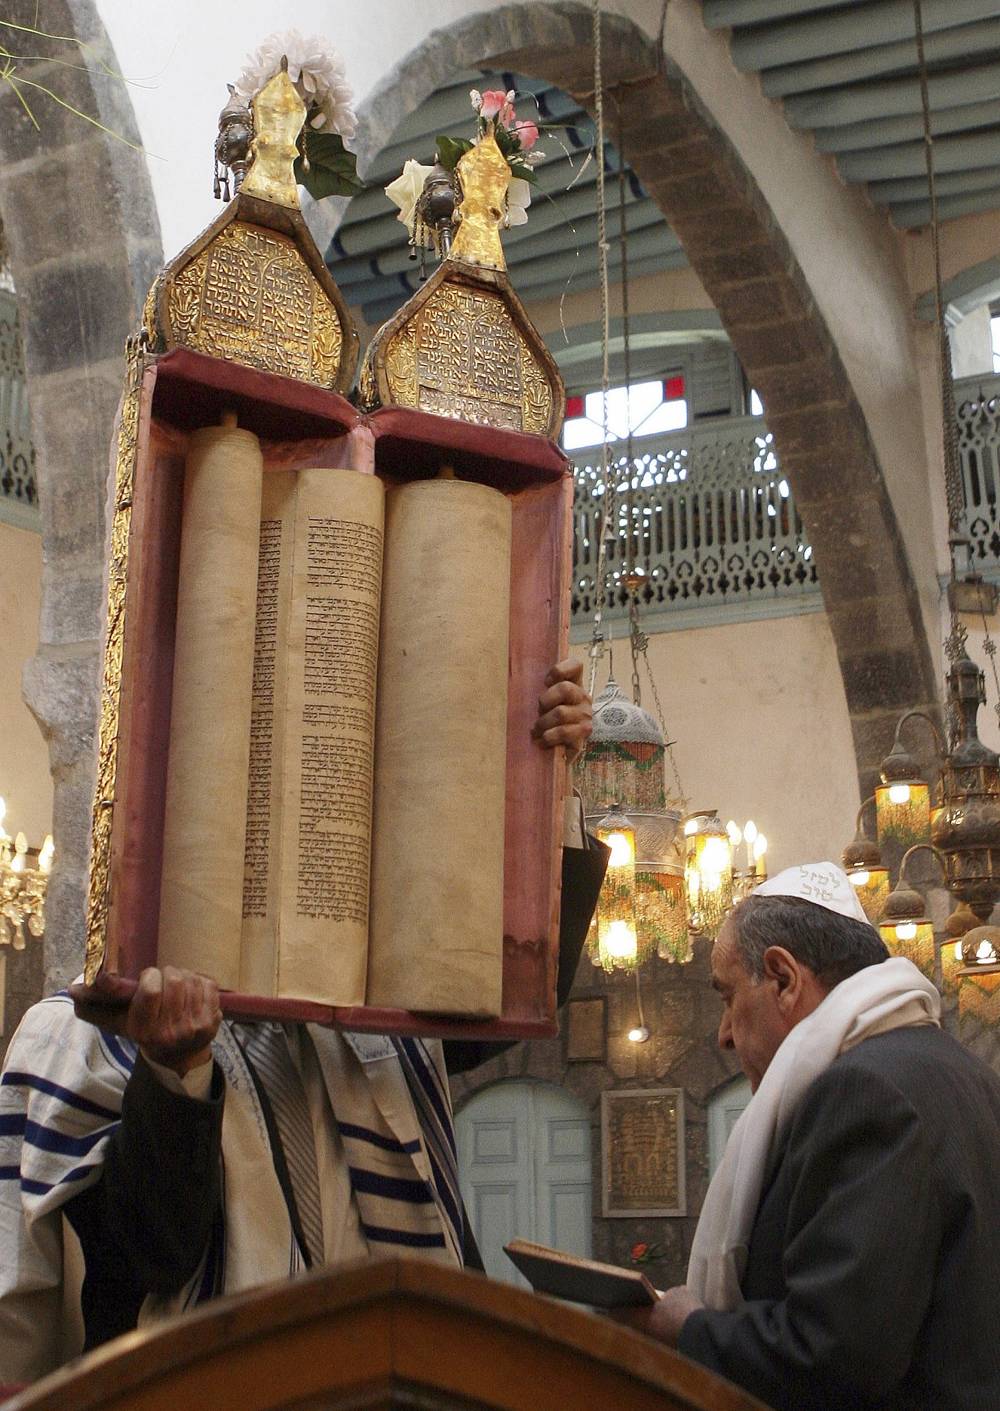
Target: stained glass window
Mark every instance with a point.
(642, 408)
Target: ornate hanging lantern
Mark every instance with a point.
(708, 872)
(979, 975)
(617, 924)
(623, 769)
(866, 871)
(902, 800)
(907, 930)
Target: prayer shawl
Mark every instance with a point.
(891, 995)
(60, 1102)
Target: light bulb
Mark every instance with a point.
(899, 793)
(906, 931)
(985, 952)
(759, 847)
(714, 860)
(639, 1034)
(860, 879)
(20, 843)
(750, 831)
(622, 847)
(691, 826)
(735, 833)
(621, 942)
(17, 862)
(46, 854)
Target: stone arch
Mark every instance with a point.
(84, 241)
(737, 249)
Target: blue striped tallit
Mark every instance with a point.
(386, 1145)
(428, 1084)
(60, 1103)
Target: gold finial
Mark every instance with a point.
(484, 175)
(278, 117)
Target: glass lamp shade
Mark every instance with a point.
(903, 812)
(708, 872)
(951, 964)
(872, 887)
(912, 938)
(616, 832)
(617, 932)
(979, 995)
(661, 911)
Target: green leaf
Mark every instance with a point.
(525, 172)
(508, 141)
(450, 151)
(332, 170)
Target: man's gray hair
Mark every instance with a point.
(830, 945)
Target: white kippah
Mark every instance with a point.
(823, 883)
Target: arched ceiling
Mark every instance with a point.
(846, 71)
(555, 252)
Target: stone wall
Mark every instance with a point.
(83, 240)
(682, 1012)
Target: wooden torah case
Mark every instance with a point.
(247, 329)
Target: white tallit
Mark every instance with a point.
(891, 995)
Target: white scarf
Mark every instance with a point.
(892, 995)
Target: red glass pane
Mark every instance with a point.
(673, 389)
(574, 406)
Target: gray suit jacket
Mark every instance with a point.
(874, 1264)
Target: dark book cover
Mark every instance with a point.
(578, 1280)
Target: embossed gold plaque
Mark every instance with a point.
(253, 287)
(463, 345)
(642, 1152)
(250, 297)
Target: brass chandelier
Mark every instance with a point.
(671, 872)
(958, 819)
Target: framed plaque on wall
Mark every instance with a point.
(586, 1029)
(642, 1152)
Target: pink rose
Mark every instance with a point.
(494, 101)
(527, 134)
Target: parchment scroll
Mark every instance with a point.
(203, 842)
(436, 939)
(308, 835)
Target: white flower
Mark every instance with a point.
(518, 201)
(475, 98)
(405, 192)
(316, 70)
(533, 159)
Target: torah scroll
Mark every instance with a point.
(308, 833)
(202, 877)
(436, 940)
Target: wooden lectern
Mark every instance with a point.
(386, 1335)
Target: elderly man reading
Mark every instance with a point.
(848, 1250)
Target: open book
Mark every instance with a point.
(562, 1275)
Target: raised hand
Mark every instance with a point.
(565, 714)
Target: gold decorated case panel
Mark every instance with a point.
(461, 355)
(250, 297)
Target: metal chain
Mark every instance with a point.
(608, 518)
(631, 527)
(990, 648)
(681, 796)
